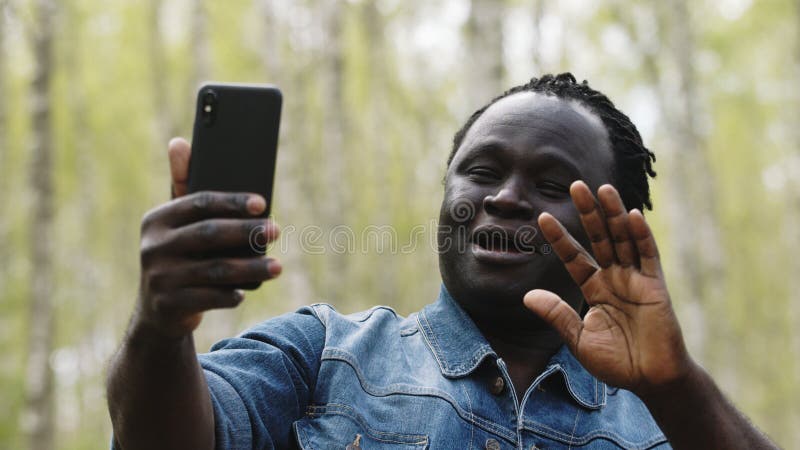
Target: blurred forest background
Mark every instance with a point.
(91, 91)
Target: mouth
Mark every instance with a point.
(498, 245)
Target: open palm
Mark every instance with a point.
(630, 336)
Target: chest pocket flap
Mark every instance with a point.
(340, 427)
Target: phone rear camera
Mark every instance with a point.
(209, 107)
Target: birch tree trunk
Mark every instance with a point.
(290, 162)
(4, 151)
(164, 119)
(536, 51)
(201, 50)
(333, 188)
(484, 30)
(692, 187)
(792, 222)
(38, 416)
(379, 146)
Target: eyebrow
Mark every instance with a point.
(544, 154)
(549, 156)
(483, 148)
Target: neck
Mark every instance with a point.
(534, 345)
(526, 352)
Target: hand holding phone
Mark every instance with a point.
(196, 251)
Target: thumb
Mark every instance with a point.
(179, 153)
(558, 314)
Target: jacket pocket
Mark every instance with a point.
(340, 427)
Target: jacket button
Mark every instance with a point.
(492, 444)
(498, 385)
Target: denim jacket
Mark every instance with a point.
(318, 380)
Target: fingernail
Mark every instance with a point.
(239, 294)
(256, 204)
(274, 267)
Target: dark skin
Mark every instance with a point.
(514, 164)
(524, 303)
(183, 274)
(630, 337)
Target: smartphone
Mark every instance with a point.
(235, 139)
(234, 146)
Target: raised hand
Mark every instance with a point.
(630, 336)
(186, 263)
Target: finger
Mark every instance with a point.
(558, 314)
(649, 260)
(578, 262)
(617, 220)
(593, 223)
(179, 152)
(219, 234)
(206, 205)
(188, 301)
(229, 272)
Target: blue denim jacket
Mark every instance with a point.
(316, 379)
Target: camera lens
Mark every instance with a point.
(209, 106)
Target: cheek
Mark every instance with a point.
(569, 217)
(461, 203)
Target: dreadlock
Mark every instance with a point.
(633, 161)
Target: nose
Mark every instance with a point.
(508, 203)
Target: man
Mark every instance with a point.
(501, 360)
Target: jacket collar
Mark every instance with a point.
(459, 348)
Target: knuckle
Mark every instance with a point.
(148, 219)
(254, 231)
(157, 279)
(231, 301)
(218, 271)
(238, 202)
(202, 200)
(207, 229)
(163, 305)
(148, 250)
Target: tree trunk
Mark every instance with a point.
(536, 51)
(379, 146)
(692, 187)
(334, 209)
(5, 257)
(792, 222)
(165, 127)
(201, 50)
(484, 30)
(38, 417)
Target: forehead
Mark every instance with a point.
(531, 123)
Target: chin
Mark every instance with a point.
(497, 291)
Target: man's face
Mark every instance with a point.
(517, 161)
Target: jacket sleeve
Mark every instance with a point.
(262, 380)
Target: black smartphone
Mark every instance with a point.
(235, 139)
(234, 146)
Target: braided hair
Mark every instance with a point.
(633, 161)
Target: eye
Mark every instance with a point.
(552, 189)
(483, 174)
